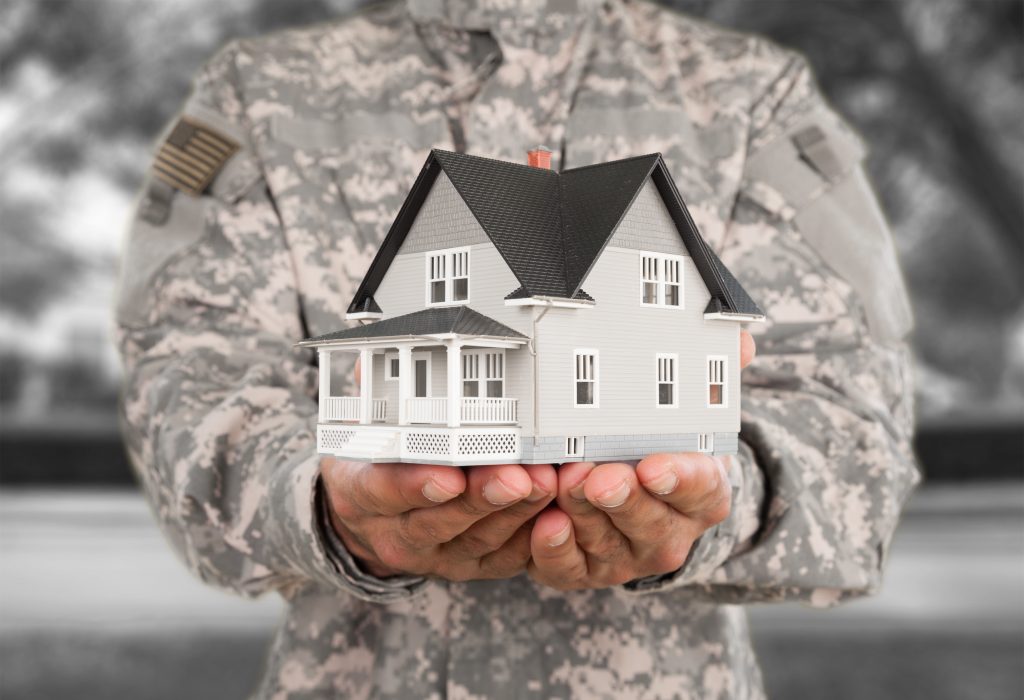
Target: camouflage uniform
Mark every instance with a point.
(334, 122)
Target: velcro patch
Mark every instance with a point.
(191, 156)
(815, 149)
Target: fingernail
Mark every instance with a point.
(576, 492)
(615, 497)
(664, 483)
(498, 494)
(435, 493)
(537, 494)
(560, 537)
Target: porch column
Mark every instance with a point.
(366, 386)
(454, 383)
(324, 356)
(404, 383)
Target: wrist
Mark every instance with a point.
(361, 554)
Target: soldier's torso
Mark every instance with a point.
(343, 117)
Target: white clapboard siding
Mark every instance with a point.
(628, 338)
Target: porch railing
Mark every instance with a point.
(474, 411)
(346, 408)
(429, 410)
(490, 411)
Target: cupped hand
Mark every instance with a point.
(457, 524)
(615, 523)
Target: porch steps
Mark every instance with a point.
(373, 444)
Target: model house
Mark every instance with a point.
(517, 314)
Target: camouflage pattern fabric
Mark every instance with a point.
(333, 123)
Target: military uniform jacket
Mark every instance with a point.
(316, 136)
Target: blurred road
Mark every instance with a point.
(94, 605)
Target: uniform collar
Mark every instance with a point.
(489, 15)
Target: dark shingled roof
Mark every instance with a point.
(449, 319)
(551, 227)
(523, 293)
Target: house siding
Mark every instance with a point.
(628, 338)
(444, 221)
(404, 287)
(647, 225)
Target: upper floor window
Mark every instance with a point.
(448, 276)
(585, 390)
(661, 280)
(716, 380)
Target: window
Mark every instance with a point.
(586, 373)
(391, 366)
(483, 374)
(448, 277)
(716, 381)
(705, 442)
(436, 279)
(460, 276)
(661, 280)
(667, 380)
(649, 275)
(574, 447)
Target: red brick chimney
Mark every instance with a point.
(539, 157)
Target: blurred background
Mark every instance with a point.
(93, 603)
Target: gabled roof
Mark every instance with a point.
(550, 227)
(460, 320)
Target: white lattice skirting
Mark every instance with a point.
(332, 438)
(459, 446)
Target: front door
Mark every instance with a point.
(421, 378)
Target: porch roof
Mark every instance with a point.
(459, 320)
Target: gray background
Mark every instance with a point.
(93, 604)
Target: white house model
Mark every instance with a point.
(479, 345)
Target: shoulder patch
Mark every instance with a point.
(191, 155)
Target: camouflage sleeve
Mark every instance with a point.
(219, 408)
(825, 461)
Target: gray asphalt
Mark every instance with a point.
(93, 604)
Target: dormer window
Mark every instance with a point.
(661, 280)
(448, 277)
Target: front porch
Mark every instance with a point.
(399, 383)
(432, 387)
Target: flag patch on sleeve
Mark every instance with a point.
(191, 156)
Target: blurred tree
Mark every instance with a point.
(34, 269)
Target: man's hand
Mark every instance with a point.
(615, 523)
(458, 524)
